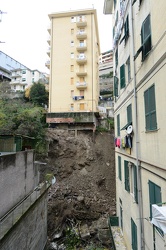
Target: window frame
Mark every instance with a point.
(122, 77)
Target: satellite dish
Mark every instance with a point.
(129, 129)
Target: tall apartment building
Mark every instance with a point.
(139, 45)
(73, 84)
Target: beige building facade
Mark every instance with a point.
(74, 51)
(139, 44)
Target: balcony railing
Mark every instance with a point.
(81, 85)
(81, 59)
(82, 47)
(81, 35)
(81, 73)
(81, 21)
(47, 64)
(48, 51)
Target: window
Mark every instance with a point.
(24, 72)
(155, 198)
(128, 69)
(71, 80)
(126, 175)
(33, 80)
(134, 188)
(72, 93)
(118, 125)
(154, 195)
(23, 79)
(72, 31)
(72, 107)
(134, 235)
(145, 39)
(81, 56)
(114, 4)
(126, 30)
(116, 82)
(82, 44)
(73, 19)
(81, 92)
(72, 43)
(72, 68)
(121, 214)
(72, 55)
(150, 109)
(119, 168)
(81, 106)
(122, 76)
(129, 114)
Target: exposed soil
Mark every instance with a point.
(83, 196)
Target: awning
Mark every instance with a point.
(159, 217)
(126, 126)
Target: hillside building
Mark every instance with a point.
(139, 40)
(74, 83)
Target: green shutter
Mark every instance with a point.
(116, 57)
(126, 174)
(146, 37)
(122, 76)
(150, 108)
(116, 80)
(119, 168)
(126, 28)
(134, 235)
(129, 113)
(154, 195)
(118, 125)
(135, 184)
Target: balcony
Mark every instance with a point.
(81, 59)
(81, 35)
(47, 64)
(81, 47)
(81, 73)
(48, 51)
(81, 21)
(81, 85)
(14, 75)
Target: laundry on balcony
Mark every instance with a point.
(77, 98)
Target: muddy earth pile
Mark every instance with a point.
(83, 197)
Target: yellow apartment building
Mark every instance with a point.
(73, 83)
(139, 44)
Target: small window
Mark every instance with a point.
(126, 30)
(24, 72)
(72, 107)
(72, 43)
(72, 68)
(122, 76)
(81, 92)
(150, 109)
(73, 19)
(134, 188)
(72, 93)
(82, 43)
(116, 82)
(116, 57)
(72, 31)
(23, 79)
(71, 80)
(72, 55)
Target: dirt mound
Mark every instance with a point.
(84, 192)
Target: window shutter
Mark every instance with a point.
(135, 184)
(115, 86)
(122, 76)
(127, 183)
(119, 168)
(129, 114)
(118, 125)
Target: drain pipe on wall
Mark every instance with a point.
(139, 182)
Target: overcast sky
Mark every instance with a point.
(24, 27)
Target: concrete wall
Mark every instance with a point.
(31, 231)
(19, 177)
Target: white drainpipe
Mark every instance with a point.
(139, 183)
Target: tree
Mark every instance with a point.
(38, 94)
